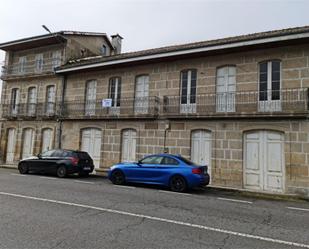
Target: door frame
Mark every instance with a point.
(14, 143)
(121, 144)
(22, 140)
(209, 167)
(262, 175)
(102, 140)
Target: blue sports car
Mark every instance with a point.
(173, 171)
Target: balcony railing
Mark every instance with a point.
(30, 68)
(143, 107)
(251, 103)
(286, 102)
(45, 110)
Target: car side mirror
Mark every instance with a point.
(139, 163)
(39, 156)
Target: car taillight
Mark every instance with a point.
(74, 160)
(197, 171)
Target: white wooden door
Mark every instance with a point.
(32, 98)
(128, 153)
(47, 140)
(91, 143)
(264, 161)
(28, 143)
(141, 94)
(91, 95)
(226, 86)
(50, 100)
(201, 148)
(10, 148)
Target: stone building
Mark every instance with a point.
(239, 105)
(32, 92)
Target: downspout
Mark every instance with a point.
(64, 85)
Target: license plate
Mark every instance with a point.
(86, 168)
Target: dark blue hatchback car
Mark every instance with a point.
(173, 171)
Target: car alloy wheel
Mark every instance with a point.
(23, 168)
(178, 184)
(118, 177)
(61, 172)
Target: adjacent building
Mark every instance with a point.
(239, 104)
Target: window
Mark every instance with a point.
(188, 86)
(47, 153)
(188, 91)
(269, 86)
(22, 64)
(152, 160)
(169, 161)
(185, 160)
(50, 99)
(141, 101)
(57, 153)
(56, 59)
(32, 95)
(15, 100)
(269, 80)
(91, 92)
(39, 62)
(115, 91)
(103, 50)
(225, 87)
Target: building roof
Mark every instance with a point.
(47, 39)
(189, 48)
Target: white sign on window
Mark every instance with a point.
(106, 102)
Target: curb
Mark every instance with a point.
(260, 195)
(8, 166)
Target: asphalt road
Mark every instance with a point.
(47, 212)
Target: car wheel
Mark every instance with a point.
(23, 168)
(83, 174)
(62, 172)
(178, 184)
(118, 177)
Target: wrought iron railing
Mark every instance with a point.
(285, 101)
(126, 108)
(30, 110)
(30, 67)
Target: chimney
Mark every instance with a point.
(116, 42)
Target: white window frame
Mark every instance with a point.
(270, 105)
(188, 107)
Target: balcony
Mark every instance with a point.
(286, 102)
(30, 68)
(26, 111)
(144, 107)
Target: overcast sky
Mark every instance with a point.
(148, 24)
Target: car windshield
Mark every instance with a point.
(185, 160)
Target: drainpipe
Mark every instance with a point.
(61, 109)
(166, 129)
